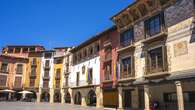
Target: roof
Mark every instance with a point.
(24, 46)
(93, 39)
(130, 5)
(62, 47)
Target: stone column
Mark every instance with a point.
(120, 98)
(147, 97)
(62, 96)
(39, 96)
(179, 95)
(51, 96)
(71, 96)
(83, 101)
(99, 97)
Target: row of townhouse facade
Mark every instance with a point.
(146, 61)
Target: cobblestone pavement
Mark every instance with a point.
(41, 106)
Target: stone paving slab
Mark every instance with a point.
(41, 106)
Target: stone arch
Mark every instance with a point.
(77, 98)
(45, 96)
(67, 97)
(57, 97)
(91, 98)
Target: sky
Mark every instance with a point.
(55, 23)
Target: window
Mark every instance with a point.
(33, 71)
(4, 67)
(153, 25)
(83, 69)
(34, 61)
(126, 67)
(17, 50)
(19, 69)
(155, 60)
(47, 63)
(108, 54)
(32, 49)
(58, 72)
(108, 73)
(10, 50)
(32, 82)
(58, 61)
(25, 50)
(91, 50)
(18, 82)
(46, 73)
(77, 78)
(57, 83)
(97, 47)
(90, 76)
(45, 84)
(127, 37)
(66, 84)
(48, 55)
(3, 80)
(189, 97)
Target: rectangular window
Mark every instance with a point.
(17, 50)
(25, 50)
(32, 82)
(127, 37)
(46, 75)
(18, 82)
(32, 49)
(153, 25)
(57, 83)
(155, 60)
(77, 78)
(3, 80)
(126, 67)
(34, 61)
(108, 71)
(90, 75)
(47, 63)
(58, 61)
(10, 50)
(45, 84)
(48, 55)
(58, 72)
(4, 67)
(33, 71)
(66, 81)
(19, 69)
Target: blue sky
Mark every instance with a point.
(55, 23)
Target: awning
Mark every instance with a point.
(178, 75)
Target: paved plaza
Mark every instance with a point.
(41, 106)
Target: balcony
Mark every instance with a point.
(107, 43)
(107, 57)
(46, 77)
(126, 45)
(47, 67)
(33, 75)
(5, 71)
(83, 83)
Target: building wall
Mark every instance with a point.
(114, 37)
(58, 66)
(43, 60)
(38, 72)
(91, 63)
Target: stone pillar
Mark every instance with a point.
(51, 96)
(62, 96)
(39, 95)
(135, 98)
(179, 95)
(99, 97)
(147, 97)
(120, 98)
(71, 96)
(83, 101)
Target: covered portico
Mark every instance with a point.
(175, 91)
